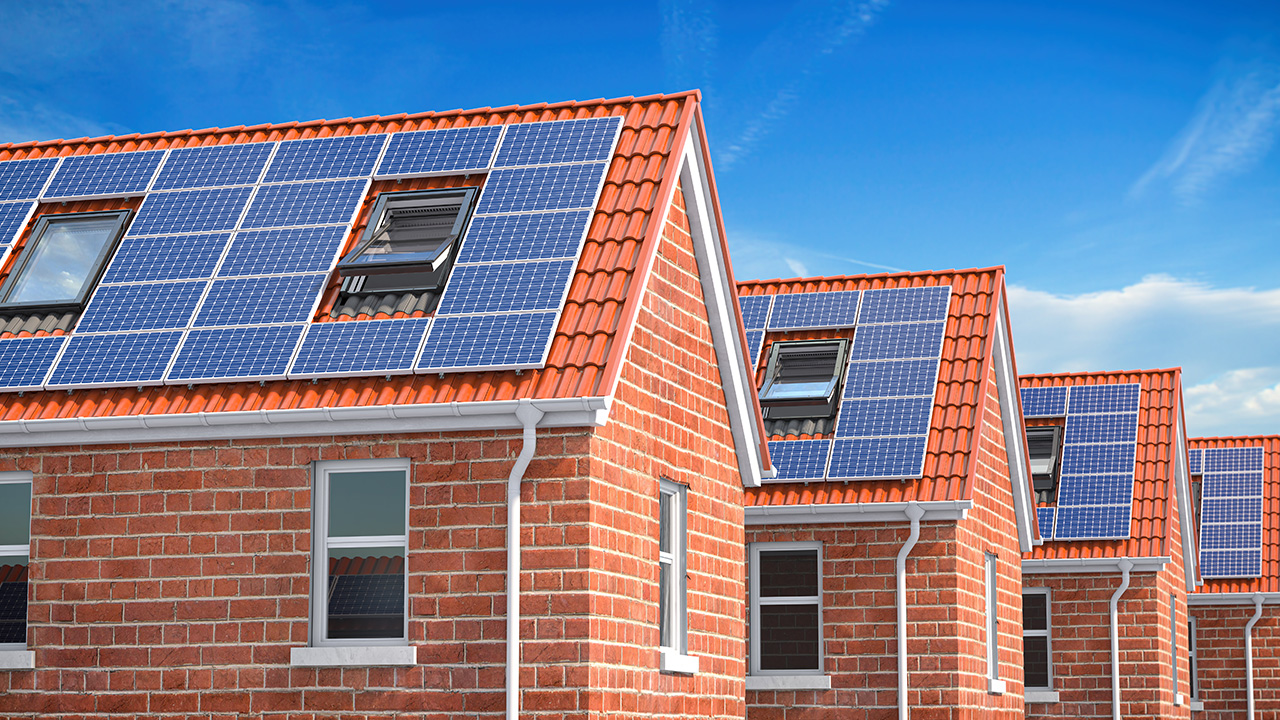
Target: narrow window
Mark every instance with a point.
(802, 379)
(1191, 656)
(1036, 639)
(1173, 639)
(993, 624)
(360, 541)
(672, 621)
(786, 608)
(62, 260)
(408, 242)
(15, 549)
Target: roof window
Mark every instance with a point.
(803, 378)
(62, 260)
(1044, 445)
(408, 242)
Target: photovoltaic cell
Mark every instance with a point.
(245, 353)
(307, 203)
(1231, 563)
(149, 306)
(214, 166)
(116, 359)
(190, 211)
(331, 158)
(487, 341)
(506, 287)
(25, 361)
(800, 459)
(267, 252)
(166, 257)
(1102, 428)
(435, 151)
(1093, 522)
(538, 236)
(884, 416)
(1231, 510)
(104, 174)
(561, 141)
(755, 311)
(804, 311)
(917, 304)
(1113, 489)
(1195, 462)
(1098, 459)
(755, 340)
(260, 300)
(865, 458)
(1104, 398)
(360, 347)
(1044, 401)
(1236, 459)
(555, 187)
(23, 179)
(13, 217)
(1231, 536)
(1044, 516)
(897, 342)
(1232, 485)
(891, 378)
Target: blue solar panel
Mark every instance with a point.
(328, 158)
(25, 361)
(917, 304)
(800, 459)
(119, 359)
(1044, 516)
(310, 203)
(214, 166)
(190, 211)
(891, 378)
(804, 311)
(166, 257)
(23, 179)
(1093, 522)
(755, 311)
(1232, 484)
(13, 218)
(437, 151)
(253, 353)
(1231, 510)
(897, 342)
(1044, 402)
(884, 416)
(1109, 428)
(1236, 459)
(487, 342)
(149, 306)
(119, 173)
(1101, 489)
(1195, 462)
(865, 458)
(755, 340)
(372, 347)
(1231, 563)
(506, 287)
(561, 141)
(1098, 459)
(261, 300)
(540, 236)
(555, 187)
(266, 252)
(1231, 536)
(1104, 398)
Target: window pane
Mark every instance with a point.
(664, 522)
(1035, 611)
(13, 599)
(664, 604)
(367, 503)
(789, 573)
(365, 597)
(15, 513)
(789, 637)
(62, 260)
(781, 390)
(1035, 658)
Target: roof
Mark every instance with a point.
(1269, 582)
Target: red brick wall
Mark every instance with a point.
(1220, 655)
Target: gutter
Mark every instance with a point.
(1248, 652)
(914, 513)
(1094, 565)
(952, 510)
(529, 417)
(1232, 598)
(1125, 567)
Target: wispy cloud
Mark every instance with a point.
(1239, 402)
(755, 257)
(24, 118)
(690, 40)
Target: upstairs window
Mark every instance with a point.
(1036, 639)
(15, 546)
(62, 260)
(786, 608)
(1044, 445)
(409, 241)
(803, 379)
(673, 589)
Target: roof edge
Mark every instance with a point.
(943, 510)
(1092, 565)
(1242, 598)
(862, 276)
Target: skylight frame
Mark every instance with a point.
(355, 263)
(813, 405)
(91, 279)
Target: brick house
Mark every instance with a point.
(894, 583)
(318, 392)
(1107, 588)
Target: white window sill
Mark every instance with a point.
(17, 660)
(673, 662)
(1178, 700)
(996, 687)
(353, 656)
(788, 682)
(1041, 696)
(1197, 705)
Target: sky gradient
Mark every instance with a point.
(1117, 158)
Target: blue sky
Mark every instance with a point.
(1118, 158)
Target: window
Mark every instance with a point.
(1036, 639)
(62, 260)
(786, 608)
(673, 627)
(1191, 653)
(994, 683)
(1173, 639)
(408, 242)
(802, 379)
(1044, 446)
(15, 548)
(359, 544)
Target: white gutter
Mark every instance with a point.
(529, 416)
(914, 513)
(857, 512)
(1248, 651)
(1094, 565)
(1125, 567)
(1232, 598)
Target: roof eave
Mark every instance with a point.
(1044, 566)
(844, 513)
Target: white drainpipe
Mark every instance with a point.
(914, 513)
(1248, 651)
(1125, 566)
(529, 417)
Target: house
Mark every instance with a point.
(884, 556)
(443, 414)
(1104, 596)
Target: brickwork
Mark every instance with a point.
(1221, 663)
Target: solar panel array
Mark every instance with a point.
(755, 318)
(886, 405)
(1230, 511)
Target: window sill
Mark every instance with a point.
(788, 682)
(353, 656)
(17, 660)
(672, 662)
(996, 687)
(1178, 700)
(1197, 705)
(1041, 696)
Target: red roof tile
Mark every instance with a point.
(1270, 579)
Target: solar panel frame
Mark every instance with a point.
(877, 458)
(185, 257)
(755, 343)
(1044, 401)
(14, 217)
(577, 140)
(104, 175)
(443, 151)
(1231, 517)
(909, 304)
(1101, 489)
(299, 204)
(1045, 517)
(1231, 536)
(141, 306)
(815, 311)
(1233, 459)
(800, 459)
(328, 158)
(1217, 510)
(213, 166)
(107, 360)
(1098, 459)
(317, 355)
(25, 179)
(1101, 428)
(755, 311)
(1113, 398)
(180, 212)
(238, 353)
(544, 187)
(1093, 522)
(25, 362)
(904, 341)
(1230, 563)
(454, 343)
(883, 417)
(284, 299)
(506, 287)
(526, 236)
(891, 378)
(1232, 484)
(1195, 461)
(280, 251)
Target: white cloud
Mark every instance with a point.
(1240, 402)
(756, 258)
(23, 119)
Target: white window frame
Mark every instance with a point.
(991, 585)
(674, 657)
(1046, 633)
(16, 656)
(805, 679)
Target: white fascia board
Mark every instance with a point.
(1092, 565)
(944, 510)
(1182, 485)
(1015, 450)
(379, 419)
(1243, 598)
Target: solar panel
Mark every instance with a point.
(1045, 516)
(538, 236)
(555, 187)
(149, 306)
(1231, 563)
(755, 311)
(1235, 459)
(800, 459)
(1231, 536)
(1104, 398)
(190, 211)
(24, 179)
(261, 300)
(120, 173)
(166, 257)
(1195, 462)
(1231, 511)
(884, 416)
(506, 287)
(1098, 459)
(1101, 489)
(891, 378)
(308, 203)
(451, 150)
(897, 342)
(559, 141)
(1102, 428)
(755, 341)
(268, 252)
(916, 304)
(243, 353)
(1093, 522)
(331, 158)
(366, 347)
(213, 166)
(487, 342)
(1044, 401)
(13, 218)
(25, 361)
(807, 311)
(117, 359)
(879, 457)
(1232, 484)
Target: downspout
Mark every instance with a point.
(1248, 650)
(914, 513)
(1125, 566)
(528, 415)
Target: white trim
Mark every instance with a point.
(1040, 696)
(1197, 705)
(12, 652)
(991, 581)
(1186, 517)
(946, 510)
(1242, 598)
(1010, 413)
(1092, 565)
(1047, 633)
(788, 682)
(996, 687)
(1179, 700)
(677, 559)
(754, 601)
(674, 662)
(353, 656)
(17, 660)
